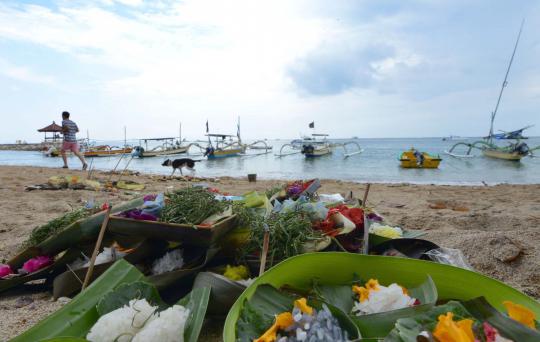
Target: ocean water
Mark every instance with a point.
(377, 163)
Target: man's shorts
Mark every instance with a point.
(72, 146)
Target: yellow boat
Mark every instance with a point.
(105, 150)
(408, 160)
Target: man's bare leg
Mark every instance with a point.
(81, 158)
(64, 158)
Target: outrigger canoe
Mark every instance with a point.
(408, 160)
(501, 154)
(105, 150)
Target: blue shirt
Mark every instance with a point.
(72, 129)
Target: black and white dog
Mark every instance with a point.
(181, 163)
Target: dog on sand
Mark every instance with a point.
(179, 164)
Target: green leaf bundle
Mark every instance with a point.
(288, 235)
(41, 233)
(191, 206)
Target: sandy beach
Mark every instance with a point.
(496, 227)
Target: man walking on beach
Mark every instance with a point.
(69, 129)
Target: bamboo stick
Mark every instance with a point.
(125, 168)
(266, 246)
(365, 243)
(96, 248)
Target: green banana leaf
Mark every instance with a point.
(267, 302)
(66, 339)
(335, 268)
(377, 325)
(121, 296)
(197, 302)
(224, 291)
(82, 231)
(74, 320)
(407, 329)
(78, 316)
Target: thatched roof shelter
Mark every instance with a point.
(52, 128)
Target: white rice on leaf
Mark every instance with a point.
(386, 298)
(171, 261)
(167, 327)
(122, 324)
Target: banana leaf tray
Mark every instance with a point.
(195, 235)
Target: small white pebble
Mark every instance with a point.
(63, 300)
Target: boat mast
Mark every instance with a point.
(504, 84)
(238, 132)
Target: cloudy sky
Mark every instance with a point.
(375, 68)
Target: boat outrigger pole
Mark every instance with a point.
(490, 137)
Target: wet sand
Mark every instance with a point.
(496, 227)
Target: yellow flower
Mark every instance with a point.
(283, 320)
(387, 232)
(521, 314)
(236, 272)
(362, 292)
(372, 285)
(302, 305)
(449, 331)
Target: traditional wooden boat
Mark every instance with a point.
(106, 150)
(222, 147)
(408, 160)
(501, 154)
(317, 146)
(166, 147)
(513, 152)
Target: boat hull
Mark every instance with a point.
(225, 153)
(408, 161)
(317, 154)
(261, 147)
(147, 154)
(106, 153)
(493, 153)
(314, 152)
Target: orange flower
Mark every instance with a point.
(521, 314)
(283, 320)
(449, 331)
(302, 305)
(362, 292)
(372, 285)
(405, 291)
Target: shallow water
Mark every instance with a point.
(378, 163)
